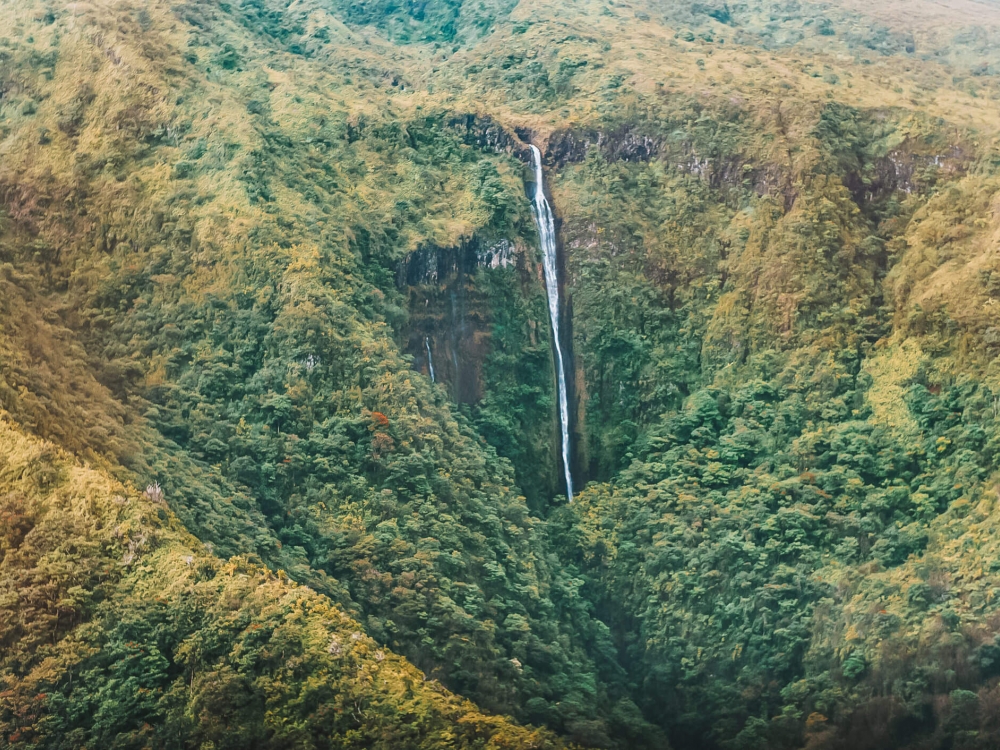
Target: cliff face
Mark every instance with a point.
(477, 314)
(450, 313)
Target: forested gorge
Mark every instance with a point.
(237, 511)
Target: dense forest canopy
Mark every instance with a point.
(279, 439)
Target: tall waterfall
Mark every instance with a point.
(547, 236)
(430, 357)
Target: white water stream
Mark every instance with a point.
(430, 358)
(547, 237)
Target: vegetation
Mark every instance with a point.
(120, 631)
(230, 234)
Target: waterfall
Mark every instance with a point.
(430, 358)
(547, 237)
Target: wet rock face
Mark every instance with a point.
(734, 173)
(432, 264)
(450, 315)
(624, 144)
(629, 145)
(898, 171)
(487, 134)
(902, 171)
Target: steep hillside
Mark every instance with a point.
(235, 238)
(167, 207)
(120, 631)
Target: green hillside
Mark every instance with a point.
(237, 239)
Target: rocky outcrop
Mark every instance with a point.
(431, 264)
(487, 134)
(904, 171)
(731, 172)
(623, 144)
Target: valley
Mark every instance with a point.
(442, 374)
